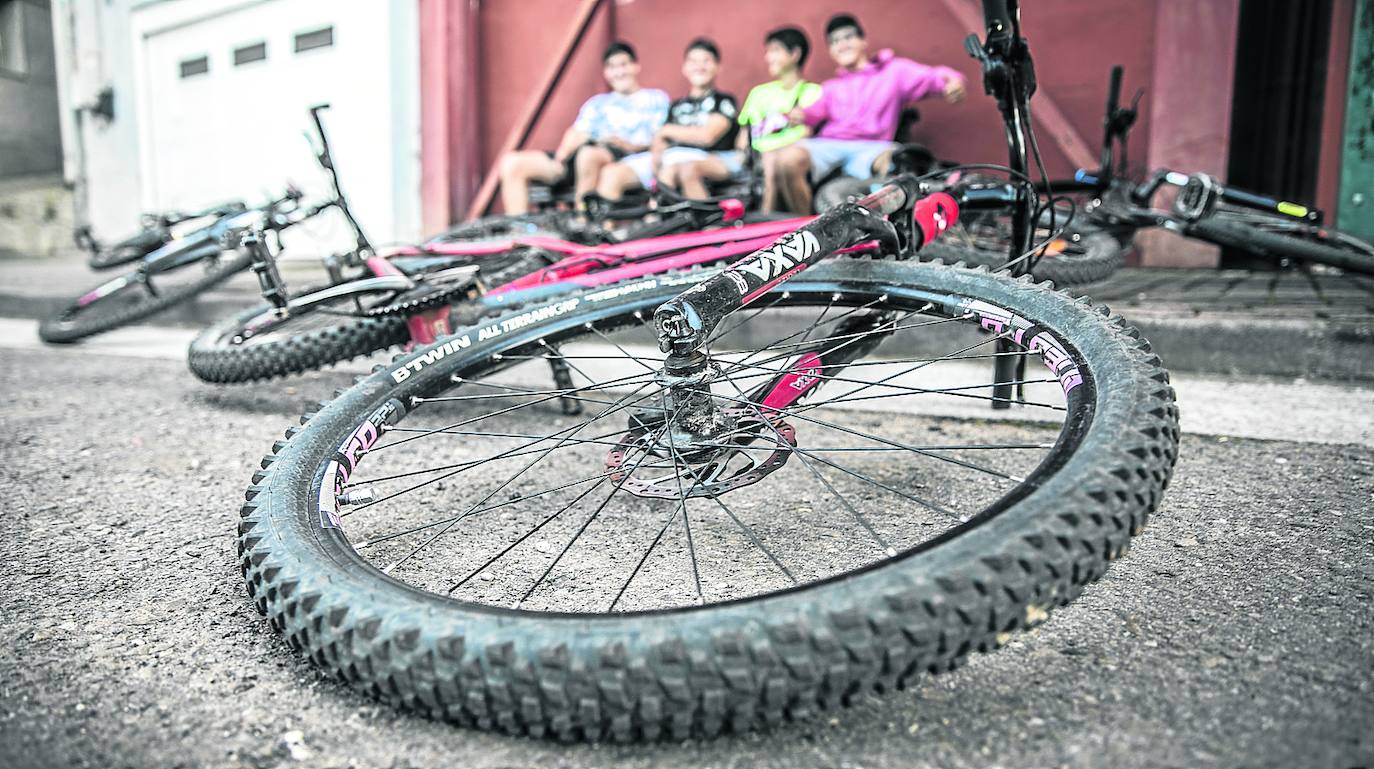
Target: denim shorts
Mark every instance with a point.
(642, 163)
(854, 156)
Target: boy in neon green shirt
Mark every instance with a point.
(765, 113)
(765, 110)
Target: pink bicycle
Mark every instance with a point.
(414, 294)
(744, 502)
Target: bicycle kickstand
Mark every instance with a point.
(562, 380)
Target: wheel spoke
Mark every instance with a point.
(511, 392)
(626, 352)
(793, 335)
(522, 538)
(489, 495)
(753, 538)
(877, 439)
(379, 539)
(650, 549)
(780, 344)
(691, 545)
(583, 528)
(954, 391)
(941, 509)
(605, 385)
(906, 389)
(463, 465)
(882, 543)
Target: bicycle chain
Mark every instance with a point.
(421, 298)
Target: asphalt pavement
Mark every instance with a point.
(1239, 631)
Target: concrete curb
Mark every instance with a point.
(1292, 337)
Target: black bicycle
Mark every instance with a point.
(1206, 209)
(166, 276)
(758, 510)
(188, 265)
(157, 231)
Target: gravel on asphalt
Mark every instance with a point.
(1237, 632)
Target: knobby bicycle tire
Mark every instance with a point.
(213, 357)
(223, 354)
(1299, 245)
(737, 665)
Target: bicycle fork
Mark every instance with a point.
(562, 380)
(687, 323)
(265, 267)
(812, 369)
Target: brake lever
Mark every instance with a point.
(872, 226)
(975, 49)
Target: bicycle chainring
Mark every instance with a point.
(430, 292)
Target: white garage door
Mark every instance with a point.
(224, 98)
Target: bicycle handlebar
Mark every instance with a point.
(687, 321)
(326, 160)
(999, 21)
(1114, 91)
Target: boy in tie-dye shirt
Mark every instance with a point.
(608, 127)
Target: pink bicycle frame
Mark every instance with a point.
(588, 266)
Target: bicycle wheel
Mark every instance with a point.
(136, 295)
(1285, 238)
(258, 344)
(1080, 254)
(445, 537)
(255, 344)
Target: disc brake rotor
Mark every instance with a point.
(646, 465)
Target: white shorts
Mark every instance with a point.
(642, 163)
(854, 156)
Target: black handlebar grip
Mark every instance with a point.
(1114, 91)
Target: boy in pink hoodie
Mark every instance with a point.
(857, 114)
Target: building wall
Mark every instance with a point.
(1182, 53)
(1075, 43)
(99, 157)
(493, 56)
(30, 140)
(236, 131)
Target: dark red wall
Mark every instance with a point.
(1075, 43)
(1182, 53)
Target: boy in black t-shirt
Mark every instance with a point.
(696, 145)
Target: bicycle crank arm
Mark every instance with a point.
(361, 287)
(264, 265)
